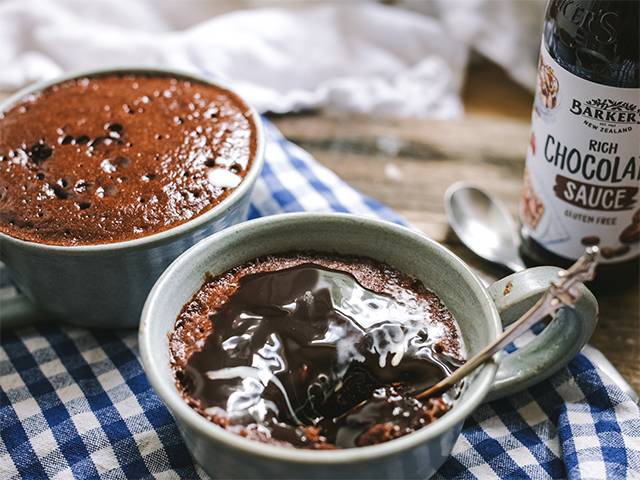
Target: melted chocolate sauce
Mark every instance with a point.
(291, 351)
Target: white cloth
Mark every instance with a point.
(504, 31)
(353, 56)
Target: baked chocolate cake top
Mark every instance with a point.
(117, 157)
(285, 348)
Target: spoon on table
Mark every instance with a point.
(483, 224)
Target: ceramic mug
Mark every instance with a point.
(481, 314)
(105, 285)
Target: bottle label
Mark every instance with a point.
(583, 166)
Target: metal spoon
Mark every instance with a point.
(483, 224)
(562, 292)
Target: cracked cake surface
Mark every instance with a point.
(119, 156)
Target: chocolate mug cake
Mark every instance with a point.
(119, 156)
(286, 349)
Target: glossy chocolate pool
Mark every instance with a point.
(118, 157)
(283, 348)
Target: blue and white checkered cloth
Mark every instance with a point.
(76, 403)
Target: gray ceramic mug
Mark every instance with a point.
(106, 285)
(477, 310)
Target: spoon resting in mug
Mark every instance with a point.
(559, 294)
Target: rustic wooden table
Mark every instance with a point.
(408, 165)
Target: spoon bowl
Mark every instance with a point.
(483, 224)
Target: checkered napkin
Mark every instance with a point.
(75, 402)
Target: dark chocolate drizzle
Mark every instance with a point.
(301, 346)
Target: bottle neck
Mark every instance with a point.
(596, 40)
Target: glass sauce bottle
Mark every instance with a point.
(582, 173)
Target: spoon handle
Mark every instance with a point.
(560, 293)
(516, 265)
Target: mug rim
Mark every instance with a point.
(170, 396)
(183, 228)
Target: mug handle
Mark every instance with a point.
(555, 346)
(18, 312)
